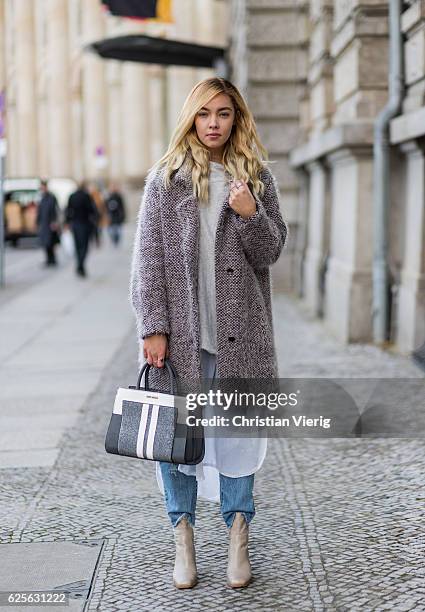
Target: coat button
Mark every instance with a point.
(229, 270)
(231, 339)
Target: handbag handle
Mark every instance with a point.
(172, 375)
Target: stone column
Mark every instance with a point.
(115, 119)
(360, 51)
(180, 80)
(408, 131)
(204, 32)
(320, 74)
(41, 108)
(94, 91)
(58, 137)
(76, 55)
(413, 27)
(2, 47)
(136, 121)
(12, 164)
(411, 301)
(157, 108)
(269, 52)
(348, 295)
(24, 45)
(77, 116)
(341, 130)
(302, 233)
(238, 47)
(318, 236)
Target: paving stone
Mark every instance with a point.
(339, 522)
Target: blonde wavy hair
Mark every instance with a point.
(244, 156)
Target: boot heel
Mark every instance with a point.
(239, 573)
(185, 572)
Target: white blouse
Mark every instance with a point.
(233, 457)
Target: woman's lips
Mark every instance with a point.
(213, 136)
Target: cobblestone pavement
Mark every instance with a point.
(339, 522)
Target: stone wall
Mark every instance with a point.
(408, 138)
(347, 86)
(269, 61)
(316, 76)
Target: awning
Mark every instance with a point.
(152, 50)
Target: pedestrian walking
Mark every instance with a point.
(209, 227)
(81, 215)
(101, 220)
(116, 212)
(48, 223)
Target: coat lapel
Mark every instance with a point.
(187, 206)
(187, 211)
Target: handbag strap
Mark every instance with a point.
(172, 376)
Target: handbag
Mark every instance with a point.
(150, 424)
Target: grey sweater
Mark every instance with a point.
(218, 189)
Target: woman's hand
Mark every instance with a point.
(155, 349)
(241, 199)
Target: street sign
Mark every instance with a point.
(101, 159)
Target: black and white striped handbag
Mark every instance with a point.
(151, 424)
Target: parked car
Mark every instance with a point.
(21, 199)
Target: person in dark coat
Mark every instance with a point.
(116, 213)
(81, 215)
(48, 223)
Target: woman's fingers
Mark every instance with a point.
(156, 359)
(236, 187)
(155, 349)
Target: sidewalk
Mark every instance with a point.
(339, 522)
(57, 338)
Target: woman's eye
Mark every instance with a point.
(205, 114)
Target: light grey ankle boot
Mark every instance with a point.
(184, 575)
(239, 567)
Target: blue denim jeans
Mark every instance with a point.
(236, 494)
(181, 493)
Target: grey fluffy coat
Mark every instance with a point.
(163, 286)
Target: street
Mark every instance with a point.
(339, 522)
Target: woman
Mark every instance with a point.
(209, 227)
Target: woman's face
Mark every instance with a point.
(214, 123)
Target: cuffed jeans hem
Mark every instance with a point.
(176, 518)
(230, 517)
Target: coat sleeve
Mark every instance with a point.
(148, 294)
(264, 233)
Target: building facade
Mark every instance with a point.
(316, 73)
(73, 114)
